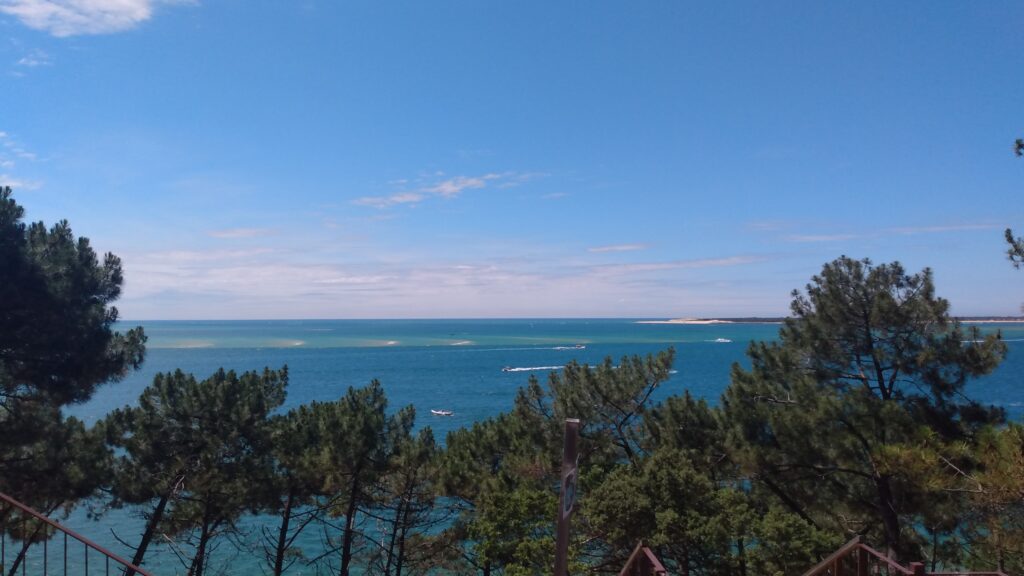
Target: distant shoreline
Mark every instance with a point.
(757, 320)
(704, 321)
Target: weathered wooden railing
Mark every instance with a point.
(643, 562)
(27, 532)
(858, 559)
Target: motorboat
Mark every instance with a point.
(442, 412)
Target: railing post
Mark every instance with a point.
(917, 568)
(567, 495)
(862, 562)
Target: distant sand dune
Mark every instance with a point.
(686, 321)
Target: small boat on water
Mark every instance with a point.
(442, 412)
(722, 340)
(506, 369)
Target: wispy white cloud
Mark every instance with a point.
(192, 257)
(767, 225)
(9, 149)
(632, 268)
(452, 187)
(19, 184)
(63, 18)
(35, 58)
(912, 230)
(269, 283)
(819, 237)
(389, 201)
(241, 233)
(11, 152)
(618, 248)
(436, 185)
(513, 179)
(893, 231)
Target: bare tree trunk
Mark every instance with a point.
(147, 536)
(282, 535)
(890, 520)
(350, 513)
(198, 562)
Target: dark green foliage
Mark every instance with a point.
(610, 401)
(292, 482)
(56, 341)
(193, 453)
(56, 346)
(1015, 249)
(693, 506)
(357, 440)
(993, 521)
(406, 499)
(869, 364)
(854, 422)
(497, 474)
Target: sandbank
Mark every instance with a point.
(686, 321)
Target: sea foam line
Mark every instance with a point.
(526, 349)
(531, 368)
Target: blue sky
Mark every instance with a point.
(252, 159)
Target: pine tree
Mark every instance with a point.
(358, 438)
(193, 452)
(57, 343)
(868, 363)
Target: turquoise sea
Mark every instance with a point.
(450, 364)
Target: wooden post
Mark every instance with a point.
(862, 562)
(567, 495)
(917, 568)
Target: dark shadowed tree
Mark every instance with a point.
(194, 453)
(294, 479)
(869, 363)
(1015, 249)
(407, 507)
(497, 476)
(358, 439)
(57, 342)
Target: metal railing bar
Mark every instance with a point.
(23, 555)
(656, 565)
(888, 561)
(69, 532)
(831, 558)
(996, 573)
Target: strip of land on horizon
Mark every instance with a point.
(779, 320)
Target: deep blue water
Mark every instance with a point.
(454, 365)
